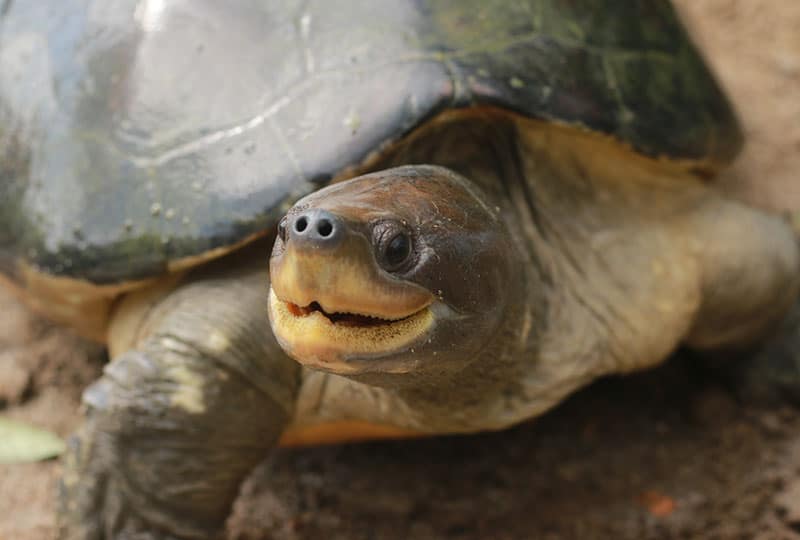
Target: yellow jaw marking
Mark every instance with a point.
(315, 340)
(346, 283)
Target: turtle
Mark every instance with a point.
(473, 209)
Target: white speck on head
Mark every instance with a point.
(170, 213)
(155, 209)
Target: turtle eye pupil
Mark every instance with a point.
(398, 249)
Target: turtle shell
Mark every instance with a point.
(138, 133)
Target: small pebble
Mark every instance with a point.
(787, 64)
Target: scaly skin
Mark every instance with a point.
(174, 425)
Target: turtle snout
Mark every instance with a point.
(315, 228)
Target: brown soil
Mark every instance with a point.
(664, 454)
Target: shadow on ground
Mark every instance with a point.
(665, 454)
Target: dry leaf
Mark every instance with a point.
(22, 443)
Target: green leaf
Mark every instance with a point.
(22, 443)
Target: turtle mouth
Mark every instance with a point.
(342, 318)
(331, 340)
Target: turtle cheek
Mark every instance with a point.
(276, 256)
(469, 271)
(278, 247)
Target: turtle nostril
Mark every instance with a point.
(324, 228)
(317, 227)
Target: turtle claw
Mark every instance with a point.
(143, 467)
(77, 496)
(94, 503)
(770, 375)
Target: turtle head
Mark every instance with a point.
(401, 271)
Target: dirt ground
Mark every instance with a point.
(664, 454)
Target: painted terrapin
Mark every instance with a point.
(533, 211)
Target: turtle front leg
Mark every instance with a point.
(749, 316)
(175, 425)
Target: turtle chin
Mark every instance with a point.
(352, 343)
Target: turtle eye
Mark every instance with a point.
(282, 229)
(394, 246)
(397, 250)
